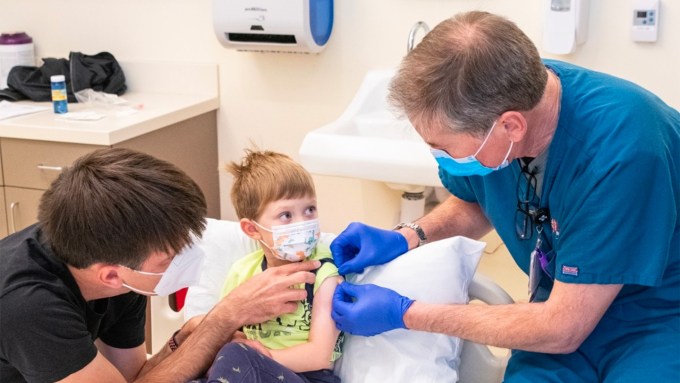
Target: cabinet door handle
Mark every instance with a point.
(12, 224)
(52, 168)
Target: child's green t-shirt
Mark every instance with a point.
(289, 329)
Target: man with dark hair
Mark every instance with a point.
(578, 173)
(73, 286)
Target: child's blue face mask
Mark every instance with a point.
(470, 165)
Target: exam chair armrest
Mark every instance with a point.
(478, 363)
(484, 289)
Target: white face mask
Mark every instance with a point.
(293, 242)
(184, 271)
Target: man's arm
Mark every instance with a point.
(451, 217)
(558, 325)
(98, 370)
(128, 361)
(179, 337)
(186, 363)
(264, 296)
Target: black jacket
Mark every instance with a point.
(100, 72)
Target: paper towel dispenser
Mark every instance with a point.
(302, 26)
(565, 25)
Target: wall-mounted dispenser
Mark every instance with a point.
(565, 25)
(302, 26)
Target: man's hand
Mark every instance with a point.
(269, 294)
(360, 246)
(368, 309)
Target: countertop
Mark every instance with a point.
(156, 101)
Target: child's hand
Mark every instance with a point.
(259, 347)
(238, 335)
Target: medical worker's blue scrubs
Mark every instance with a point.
(612, 186)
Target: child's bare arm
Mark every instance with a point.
(316, 353)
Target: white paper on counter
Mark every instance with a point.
(11, 109)
(81, 116)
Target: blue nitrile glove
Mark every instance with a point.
(360, 246)
(368, 309)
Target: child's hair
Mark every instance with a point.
(264, 176)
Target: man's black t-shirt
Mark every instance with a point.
(47, 329)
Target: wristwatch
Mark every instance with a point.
(422, 238)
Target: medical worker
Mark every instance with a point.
(74, 287)
(579, 174)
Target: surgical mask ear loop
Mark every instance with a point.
(143, 272)
(138, 291)
(507, 155)
(260, 226)
(263, 243)
(260, 240)
(486, 139)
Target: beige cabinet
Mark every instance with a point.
(29, 169)
(3, 213)
(30, 166)
(35, 164)
(22, 207)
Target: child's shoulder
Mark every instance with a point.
(322, 253)
(248, 264)
(328, 267)
(241, 270)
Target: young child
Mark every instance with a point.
(275, 200)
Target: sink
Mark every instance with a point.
(368, 141)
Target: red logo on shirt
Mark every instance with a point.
(570, 270)
(555, 228)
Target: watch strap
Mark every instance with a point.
(172, 342)
(422, 238)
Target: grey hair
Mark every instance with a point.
(468, 71)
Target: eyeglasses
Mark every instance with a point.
(528, 213)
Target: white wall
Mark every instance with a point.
(274, 99)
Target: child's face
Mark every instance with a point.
(283, 212)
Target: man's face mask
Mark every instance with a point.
(293, 242)
(184, 271)
(470, 165)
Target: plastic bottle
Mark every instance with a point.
(15, 49)
(59, 96)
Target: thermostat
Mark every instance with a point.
(645, 20)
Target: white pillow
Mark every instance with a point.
(439, 272)
(223, 242)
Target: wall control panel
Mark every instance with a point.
(645, 20)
